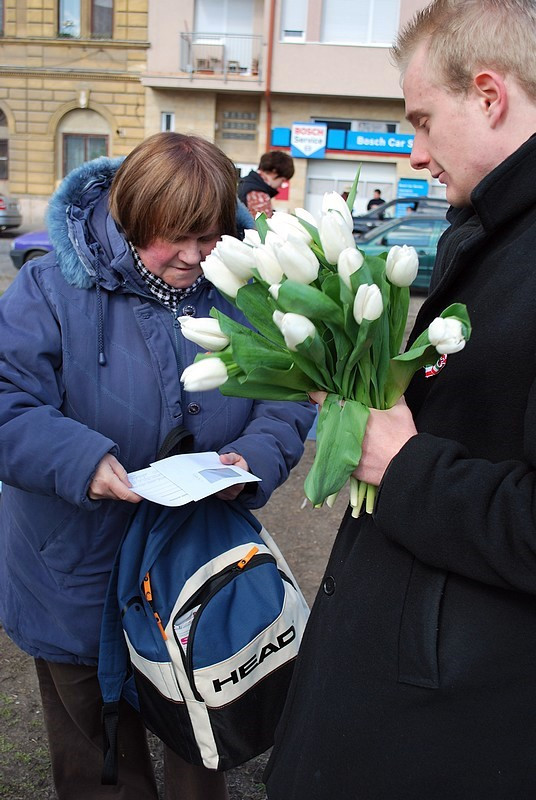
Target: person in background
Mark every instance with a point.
(89, 389)
(416, 676)
(375, 200)
(257, 188)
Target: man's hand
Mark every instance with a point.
(386, 433)
(110, 482)
(232, 492)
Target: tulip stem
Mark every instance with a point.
(371, 497)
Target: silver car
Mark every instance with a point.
(10, 216)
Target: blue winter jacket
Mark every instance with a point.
(90, 365)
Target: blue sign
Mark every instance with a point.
(379, 142)
(410, 187)
(308, 139)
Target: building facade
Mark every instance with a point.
(312, 77)
(70, 90)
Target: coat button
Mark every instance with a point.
(194, 408)
(329, 584)
(188, 311)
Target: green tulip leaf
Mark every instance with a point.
(340, 430)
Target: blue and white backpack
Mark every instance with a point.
(201, 628)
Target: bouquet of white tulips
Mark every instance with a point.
(325, 317)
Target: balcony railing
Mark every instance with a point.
(227, 55)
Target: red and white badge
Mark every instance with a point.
(432, 369)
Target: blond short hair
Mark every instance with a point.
(467, 35)
(172, 185)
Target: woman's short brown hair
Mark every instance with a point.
(172, 185)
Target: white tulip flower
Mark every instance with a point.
(298, 261)
(277, 317)
(446, 334)
(333, 201)
(286, 225)
(204, 331)
(402, 265)
(301, 213)
(251, 237)
(348, 262)
(204, 375)
(267, 265)
(274, 290)
(237, 256)
(335, 235)
(294, 327)
(368, 303)
(223, 279)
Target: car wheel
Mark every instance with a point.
(33, 254)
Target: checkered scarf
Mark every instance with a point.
(167, 295)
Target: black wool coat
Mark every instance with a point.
(417, 675)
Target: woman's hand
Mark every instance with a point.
(110, 482)
(232, 492)
(386, 433)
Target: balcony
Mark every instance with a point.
(226, 56)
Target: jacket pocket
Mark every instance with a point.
(419, 628)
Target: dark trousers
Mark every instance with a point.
(72, 704)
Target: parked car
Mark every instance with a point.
(10, 216)
(420, 231)
(29, 245)
(398, 208)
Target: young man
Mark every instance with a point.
(375, 200)
(417, 674)
(257, 189)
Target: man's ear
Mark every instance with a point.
(492, 95)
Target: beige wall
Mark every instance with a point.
(43, 79)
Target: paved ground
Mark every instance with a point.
(305, 536)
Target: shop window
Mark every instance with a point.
(81, 147)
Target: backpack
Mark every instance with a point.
(201, 627)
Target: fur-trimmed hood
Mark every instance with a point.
(86, 240)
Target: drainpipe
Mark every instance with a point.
(268, 89)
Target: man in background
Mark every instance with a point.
(376, 200)
(257, 189)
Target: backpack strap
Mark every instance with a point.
(178, 440)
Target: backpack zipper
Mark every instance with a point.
(217, 581)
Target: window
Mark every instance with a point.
(1, 17)
(293, 20)
(4, 140)
(81, 147)
(101, 19)
(167, 121)
(376, 21)
(70, 18)
(4, 171)
(85, 18)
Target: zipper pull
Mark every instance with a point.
(243, 561)
(147, 588)
(160, 626)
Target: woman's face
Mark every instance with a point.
(179, 263)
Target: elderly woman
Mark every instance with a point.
(89, 390)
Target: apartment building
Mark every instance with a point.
(311, 77)
(70, 89)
